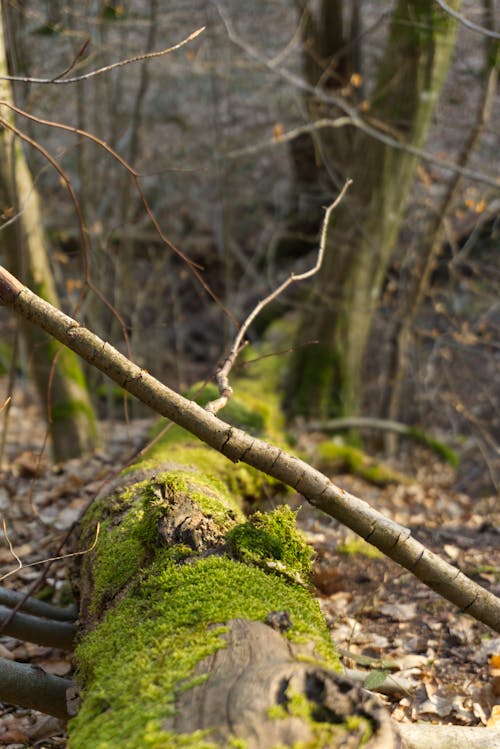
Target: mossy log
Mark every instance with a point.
(198, 625)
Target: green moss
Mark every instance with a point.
(177, 446)
(326, 728)
(64, 411)
(150, 643)
(209, 493)
(272, 540)
(360, 546)
(437, 447)
(124, 546)
(119, 554)
(336, 456)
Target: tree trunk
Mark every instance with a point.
(417, 285)
(199, 628)
(326, 378)
(57, 372)
(330, 53)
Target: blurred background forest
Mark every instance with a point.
(242, 137)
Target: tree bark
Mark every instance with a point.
(326, 379)
(57, 372)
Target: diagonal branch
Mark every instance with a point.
(392, 539)
(465, 21)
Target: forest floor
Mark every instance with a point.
(437, 665)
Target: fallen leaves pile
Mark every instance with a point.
(394, 634)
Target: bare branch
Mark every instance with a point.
(353, 116)
(30, 605)
(465, 21)
(106, 68)
(223, 372)
(31, 686)
(74, 61)
(194, 267)
(390, 537)
(53, 634)
(50, 559)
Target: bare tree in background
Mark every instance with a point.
(327, 379)
(57, 373)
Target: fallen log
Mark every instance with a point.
(198, 626)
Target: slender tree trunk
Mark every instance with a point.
(326, 378)
(330, 54)
(413, 292)
(57, 372)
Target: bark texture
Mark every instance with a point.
(326, 379)
(57, 372)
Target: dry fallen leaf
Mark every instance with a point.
(494, 718)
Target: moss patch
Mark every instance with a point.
(360, 546)
(336, 456)
(177, 446)
(148, 646)
(326, 732)
(271, 540)
(129, 527)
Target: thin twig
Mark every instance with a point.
(223, 372)
(106, 68)
(74, 61)
(465, 21)
(50, 559)
(11, 548)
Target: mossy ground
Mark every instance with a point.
(338, 456)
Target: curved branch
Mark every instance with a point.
(224, 371)
(106, 68)
(392, 539)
